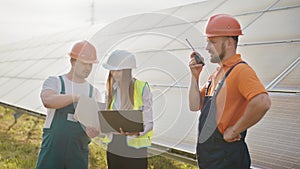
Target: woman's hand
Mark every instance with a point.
(129, 133)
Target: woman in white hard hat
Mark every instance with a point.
(125, 149)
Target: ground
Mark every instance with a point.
(20, 141)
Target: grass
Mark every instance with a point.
(20, 142)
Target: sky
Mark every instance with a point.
(26, 19)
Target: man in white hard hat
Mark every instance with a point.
(65, 141)
(125, 149)
(232, 100)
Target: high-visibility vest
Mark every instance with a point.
(146, 139)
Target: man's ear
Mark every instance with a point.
(231, 42)
(73, 62)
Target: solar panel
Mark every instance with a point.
(271, 45)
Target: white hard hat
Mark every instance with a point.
(120, 59)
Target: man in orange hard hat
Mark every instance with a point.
(232, 100)
(65, 140)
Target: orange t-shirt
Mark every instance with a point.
(241, 85)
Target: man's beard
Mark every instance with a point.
(218, 59)
(82, 75)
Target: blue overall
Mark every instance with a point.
(213, 152)
(65, 143)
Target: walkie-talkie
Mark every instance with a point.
(199, 59)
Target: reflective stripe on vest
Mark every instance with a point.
(146, 139)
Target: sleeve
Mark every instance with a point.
(99, 97)
(52, 83)
(249, 83)
(147, 110)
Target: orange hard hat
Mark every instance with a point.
(84, 51)
(223, 25)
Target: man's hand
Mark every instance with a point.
(91, 132)
(256, 109)
(76, 98)
(194, 66)
(231, 136)
(195, 100)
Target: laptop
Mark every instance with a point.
(128, 120)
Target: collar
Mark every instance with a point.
(232, 61)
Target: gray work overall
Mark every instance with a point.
(65, 143)
(213, 152)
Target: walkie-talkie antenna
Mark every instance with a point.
(199, 59)
(190, 44)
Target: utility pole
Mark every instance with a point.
(93, 12)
